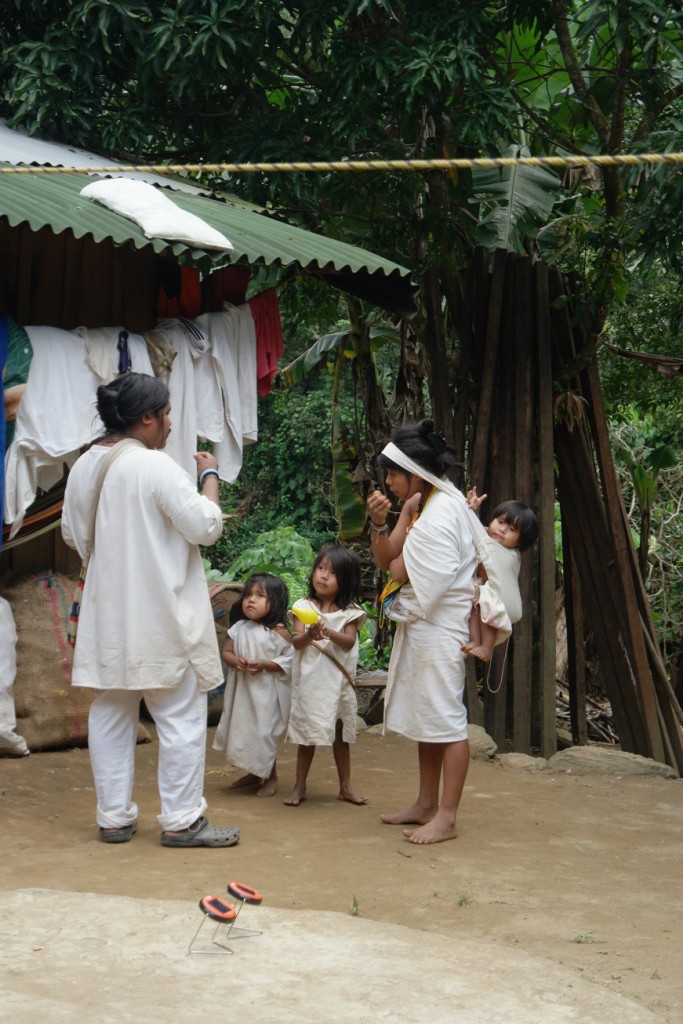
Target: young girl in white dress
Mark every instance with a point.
(324, 705)
(258, 652)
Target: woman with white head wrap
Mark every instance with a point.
(430, 555)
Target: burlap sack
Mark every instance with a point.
(223, 597)
(51, 713)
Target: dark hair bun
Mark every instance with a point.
(126, 398)
(108, 407)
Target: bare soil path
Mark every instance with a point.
(584, 870)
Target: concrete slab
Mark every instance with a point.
(68, 956)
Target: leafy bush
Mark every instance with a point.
(280, 551)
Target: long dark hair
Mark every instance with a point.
(276, 594)
(346, 565)
(521, 517)
(425, 446)
(126, 399)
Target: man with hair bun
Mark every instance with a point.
(146, 626)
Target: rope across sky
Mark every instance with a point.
(362, 166)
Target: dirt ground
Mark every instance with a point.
(586, 871)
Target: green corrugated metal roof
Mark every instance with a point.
(54, 201)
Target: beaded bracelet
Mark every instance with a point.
(374, 528)
(207, 472)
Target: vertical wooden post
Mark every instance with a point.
(546, 516)
(576, 661)
(522, 428)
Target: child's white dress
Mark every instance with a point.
(255, 707)
(499, 599)
(320, 692)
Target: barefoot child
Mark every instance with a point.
(257, 691)
(498, 604)
(324, 703)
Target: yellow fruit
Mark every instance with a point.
(305, 612)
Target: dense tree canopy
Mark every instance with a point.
(249, 80)
(243, 80)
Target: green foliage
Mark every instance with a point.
(514, 202)
(274, 551)
(285, 476)
(371, 656)
(650, 320)
(644, 471)
(330, 344)
(651, 477)
(252, 80)
(281, 551)
(349, 506)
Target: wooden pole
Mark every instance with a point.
(545, 511)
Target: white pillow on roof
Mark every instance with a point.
(156, 214)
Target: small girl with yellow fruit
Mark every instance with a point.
(324, 705)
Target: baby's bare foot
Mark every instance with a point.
(480, 651)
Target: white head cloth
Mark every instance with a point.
(394, 453)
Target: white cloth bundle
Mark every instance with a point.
(155, 213)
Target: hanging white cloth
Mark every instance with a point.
(102, 351)
(192, 346)
(57, 415)
(232, 338)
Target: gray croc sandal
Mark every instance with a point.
(202, 834)
(119, 835)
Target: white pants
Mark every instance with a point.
(180, 718)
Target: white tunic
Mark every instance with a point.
(145, 612)
(320, 692)
(427, 669)
(255, 707)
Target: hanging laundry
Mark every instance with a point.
(161, 353)
(124, 362)
(227, 284)
(232, 337)
(191, 364)
(110, 351)
(269, 344)
(57, 413)
(180, 292)
(18, 361)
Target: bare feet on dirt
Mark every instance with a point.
(414, 815)
(350, 795)
(296, 797)
(245, 780)
(268, 787)
(438, 830)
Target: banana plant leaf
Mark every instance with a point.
(514, 202)
(304, 364)
(349, 506)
